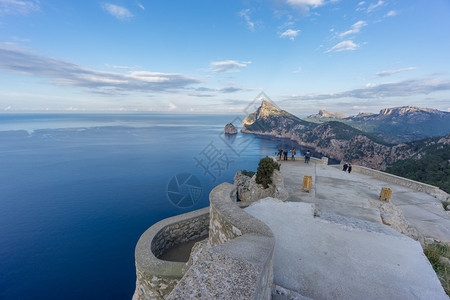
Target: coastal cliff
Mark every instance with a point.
(333, 139)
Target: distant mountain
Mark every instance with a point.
(334, 139)
(395, 125)
(326, 114)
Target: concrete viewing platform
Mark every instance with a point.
(332, 243)
(335, 241)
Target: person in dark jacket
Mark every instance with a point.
(307, 157)
(349, 168)
(285, 153)
(344, 168)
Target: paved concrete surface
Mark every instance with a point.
(339, 193)
(325, 260)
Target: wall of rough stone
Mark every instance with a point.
(156, 278)
(237, 262)
(249, 191)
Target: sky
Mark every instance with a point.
(209, 57)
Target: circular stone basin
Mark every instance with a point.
(180, 252)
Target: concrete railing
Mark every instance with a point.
(412, 184)
(238, 264)
(323, 160)
(155, 277)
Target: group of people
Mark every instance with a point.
(347, 167)
(285, 153)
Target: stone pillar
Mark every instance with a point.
(324, 160)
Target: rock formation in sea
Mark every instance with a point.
(230, 129)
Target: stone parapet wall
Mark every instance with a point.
(238, 260)
(155, 277)
(228, 221)
(412, 184)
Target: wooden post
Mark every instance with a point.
(385, 194)
(307, 182)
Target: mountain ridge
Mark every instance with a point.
(332, 138)
(396, 124)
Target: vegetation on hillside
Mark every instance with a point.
(436, 253)
(266, 166)
(433, 167)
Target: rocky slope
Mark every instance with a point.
(398, 124)
(270, 120)
(334, 139)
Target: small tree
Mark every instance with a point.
(265, 170)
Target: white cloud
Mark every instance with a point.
(290, 33)
(18, 7)
(120, 67)
(228, 65)
(298, 70)
(119, 12)
(245, 14)
(391, 72)
(312, 3)
(344, 46)
(354, 29)
(361, 3)
(373, 6)
(9, 107)
(406, 88)
(391, 13)
(17, 60)
(141, 6)
(172, 106)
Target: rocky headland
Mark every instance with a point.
(334, 139)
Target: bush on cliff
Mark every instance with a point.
(248, 173)
(265, 170)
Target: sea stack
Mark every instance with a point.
(230, 129)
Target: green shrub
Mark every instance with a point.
(265, 170)
(248, 173)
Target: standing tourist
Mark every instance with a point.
(344, 168)
(293, 153)
(307, 157)
(349, 168)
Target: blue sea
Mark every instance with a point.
(78, 190)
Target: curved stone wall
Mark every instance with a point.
(227, 220)
(238, 261)
(155, 277)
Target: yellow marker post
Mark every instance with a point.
(385, 194)
(307, 182)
